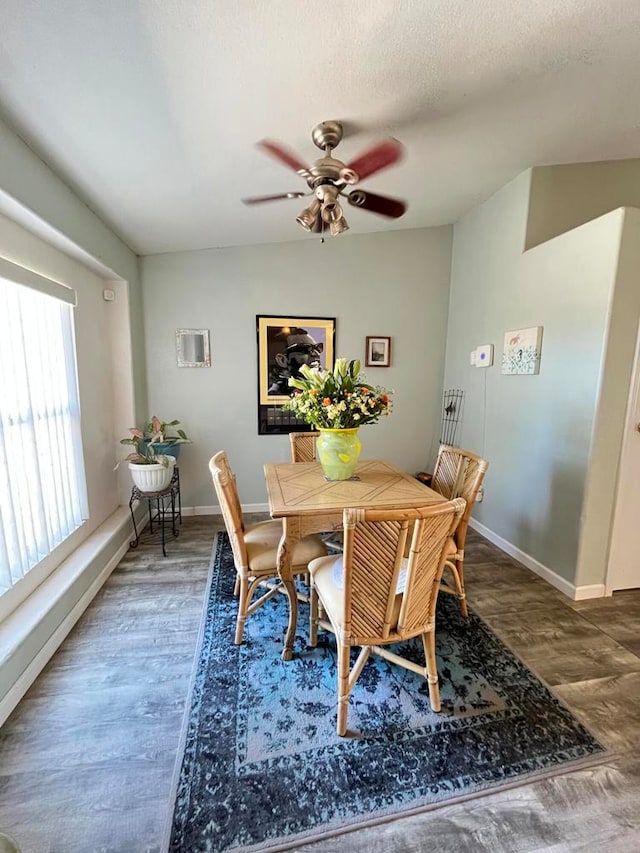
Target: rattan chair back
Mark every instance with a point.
(449, 471)
(303, 446)
(224, 483)
(474, 470)
(373, 559)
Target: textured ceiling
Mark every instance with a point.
(150, 108)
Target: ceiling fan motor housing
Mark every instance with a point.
(326, 170)
(327, 134)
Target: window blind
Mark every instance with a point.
(43, 495)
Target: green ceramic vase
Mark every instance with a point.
(338, 451)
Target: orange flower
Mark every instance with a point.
(384, 399)
(315, 392)
(326, 401)
(365, 391)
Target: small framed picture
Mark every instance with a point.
(378, 351)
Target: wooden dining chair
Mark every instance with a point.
(255, 548)
(458, 473)
(373, 596)
(303, 446)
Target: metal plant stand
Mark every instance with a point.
(165, 508)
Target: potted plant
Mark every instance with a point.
(150, 471)
(159, 434)
(337, 402)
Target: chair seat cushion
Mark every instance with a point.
(262, 542)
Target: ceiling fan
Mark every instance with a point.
(328, 178)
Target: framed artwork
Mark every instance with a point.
(192, 348)
(284, 345)
(522, 350)
(378, 351)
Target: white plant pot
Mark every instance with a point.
(152, 478)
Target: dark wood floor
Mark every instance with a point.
(87, 757)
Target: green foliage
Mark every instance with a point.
(153, 433)
(156, 431)
(337, 399)
(145, 453)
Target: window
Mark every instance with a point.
(43, 495)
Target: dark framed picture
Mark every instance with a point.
(378, 351)
(284, 345)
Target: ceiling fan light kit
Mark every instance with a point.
(309, 215)
(338, 226)
(328, 178)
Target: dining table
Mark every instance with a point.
(307, 503)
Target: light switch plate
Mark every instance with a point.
(109, 295)
(472, 358)
(484, 355)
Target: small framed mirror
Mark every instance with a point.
(192, 348)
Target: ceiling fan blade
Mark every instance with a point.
(382, 204)
(277, 150)
(258, 199)
(379, 157)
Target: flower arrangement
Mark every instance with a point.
(338, 399)
(151, 440)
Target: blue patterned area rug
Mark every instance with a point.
(263, 768)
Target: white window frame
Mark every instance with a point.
(24, 586)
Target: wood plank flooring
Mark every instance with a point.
(86, 759)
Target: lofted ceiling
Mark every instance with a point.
(149, 109)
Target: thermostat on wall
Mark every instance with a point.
(484, 355)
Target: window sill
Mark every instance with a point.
(34, 630)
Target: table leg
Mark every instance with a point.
(290, 535)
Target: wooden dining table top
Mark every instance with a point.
(300, 489)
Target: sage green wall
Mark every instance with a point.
(25, 178)
(536, 431)
(564, 197)
(393, 284)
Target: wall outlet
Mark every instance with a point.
(480, 495)
(484, 355)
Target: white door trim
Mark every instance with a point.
(626, 488)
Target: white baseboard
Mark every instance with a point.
(575, 593)
(38, 663)
(215, 509)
